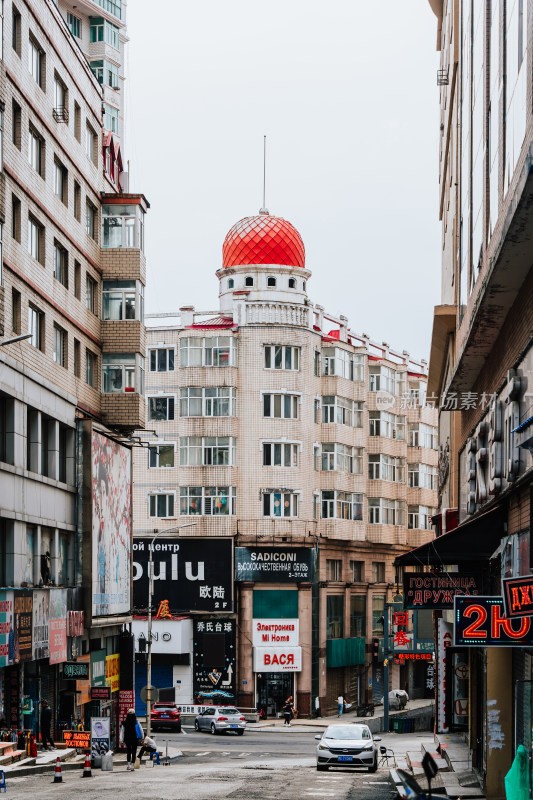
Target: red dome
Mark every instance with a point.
(263, 240)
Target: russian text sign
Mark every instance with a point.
(518, 596)
(481, 622)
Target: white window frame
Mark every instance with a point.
(35, 150)
(60, 264)
(382, 467)
(132, 372)
(272, 446)
(422, 435)
(293, 399)
(271, 497)
(207, 351)
(153, 355)
(74, 24)
(341, 458)
(208, 402)
(382, 511)
(170, 504)
(35, 321)
(163, 396)
(60, 340)
(287, 356)
(34, 238)
(342, 411)
(419, 517)
(385, 379)
(35, 61)
(389, 426)
(342, 505)
(342, 363)
(155, 446)
(203, 451)
(422, 476)
(209, 499)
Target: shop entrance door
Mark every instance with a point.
(273, 688)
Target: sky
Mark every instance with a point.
(345, 92)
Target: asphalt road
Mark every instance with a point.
(257, 766)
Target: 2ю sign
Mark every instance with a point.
(481, 622)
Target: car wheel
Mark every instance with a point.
(240, 733)
(322, 767)
(374, 766)
(196, 726)
(213, 729)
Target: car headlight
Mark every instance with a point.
(368, 747)
(323, 746)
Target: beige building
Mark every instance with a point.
(272, 423)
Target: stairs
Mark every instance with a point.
(9, 753)
(455, 778)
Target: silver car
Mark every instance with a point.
(347, 746)
(219, 719)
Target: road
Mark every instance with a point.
(257, 766)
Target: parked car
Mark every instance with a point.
(165, 715)
(219, 719)
(347, 746)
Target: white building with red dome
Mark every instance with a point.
(310, 451)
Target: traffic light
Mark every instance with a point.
(375, 650)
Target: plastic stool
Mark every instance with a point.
(156, 756)
(3, 780)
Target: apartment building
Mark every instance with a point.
(480, 367)
(73, 275)
(312, 449)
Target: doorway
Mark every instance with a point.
(272, 689)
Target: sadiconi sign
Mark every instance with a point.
(79, 739)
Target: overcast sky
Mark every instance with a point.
(346, 93)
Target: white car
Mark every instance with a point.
(347, 746)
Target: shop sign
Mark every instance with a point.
(6, 628)
(518, 596)
(429, 590)
(41, 601)
(75, 623)
(98, 668)
(112, 672)
(214, 659)
(126, 700)
(79, 739)
(403, 639)
(76, 670)
(481, 622)
(275, 632)
(100, 736)
(444, 640)
(191, 574)
(274, 565)
(277, 659)
(414, 656)
(100, 693)
(23, 618)
(167, 636)
(83, 687)
(58, 626)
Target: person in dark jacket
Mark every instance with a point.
(46, 722)
(130, 737)
(288, 711)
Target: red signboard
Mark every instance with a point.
(126, 700)
(79, 739)
(518, 596)
(100, 692)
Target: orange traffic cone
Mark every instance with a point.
(58, 777)
(87, 768)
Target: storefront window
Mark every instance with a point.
(335, 616)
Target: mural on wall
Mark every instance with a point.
(111, 544)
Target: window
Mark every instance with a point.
(271, 281)
(90, 368)
(123, 300)
(91, 289)
(333, 569)
(161, 409)
(77, 201)
(283, 406)
(422, 476)
(248, 281)
(77, 121)
(162, 505)
(281, 357)
(385, 379)
(15, 30)
(342, 505)
(378, 572)
(60, 182)
(16, 311)
(36, 327)
(342, 457)
(36, 62)
(280, 504)
(385, 468)
(15, 218)
(292, 283)
(391, 426)
(60, 264)
(357, 571)
(102, 30)
(110, 118)
(16, 129)
(60, 346)
(280, 454)
(77, 280)
(162, 359)
(231, 283)
(1, 133)
(207, 451)
(342, 411)
(378, 615)
(122, 225)
(90, 219)
(358, 615)
(207, 500)
(161, 455)
(36, 152)
(77, 357)
(316, 410)
(106, 73)
(35, 240)
(419, 517)
(60, 100)
(335, 616)
(212, 401)
(122, 372)
(90, 143)
(342, 363)
(7, 429)
(213, 351)
(74, 25)
(421, 435)
(385, 512)
(417, 394)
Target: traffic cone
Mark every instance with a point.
(87, 768)
(58, 777)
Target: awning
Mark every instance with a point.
(473, 541)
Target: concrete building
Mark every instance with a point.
(309, 447)
(73, 275)
(481, 367)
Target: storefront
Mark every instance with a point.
(171, 659)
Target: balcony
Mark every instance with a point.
(126, 410)
(275, 314)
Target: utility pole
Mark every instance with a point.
(386, 668)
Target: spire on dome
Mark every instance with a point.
(264, 209)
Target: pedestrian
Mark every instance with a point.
(46, 723)
(288, 711)
(340, 703)
(317, 707)
(148, 745)
(131, 733)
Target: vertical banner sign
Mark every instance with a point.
(112, 672)
(214, 660)
(41, 607)
(58, 626)
(444, 640)
(6, 628)
(126, 700)
(100, 733)
(23, 616)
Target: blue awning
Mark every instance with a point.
(523, 425)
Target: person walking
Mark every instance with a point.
(340, 703)
(288, 711)
(46, 723)
(132, 732)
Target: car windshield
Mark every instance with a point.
(347, 732)
(228, 711)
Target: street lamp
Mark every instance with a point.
(14, 339)
(150, 594)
